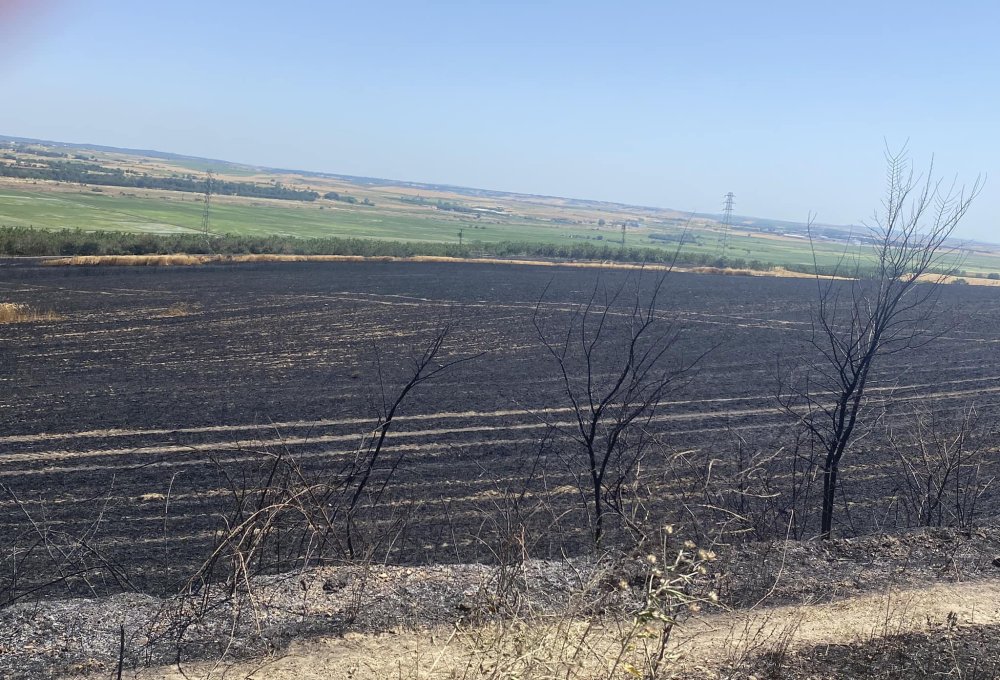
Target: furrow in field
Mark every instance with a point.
(901, 394)
(682, 438)
(316, 439)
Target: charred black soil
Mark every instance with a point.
(131, 418)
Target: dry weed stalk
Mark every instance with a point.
(763, 643)
(618, 621)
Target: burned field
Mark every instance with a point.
(136, 420)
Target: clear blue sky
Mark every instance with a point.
(671, 104)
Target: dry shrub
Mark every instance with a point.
(281, 517)
(760, 647)
(12, 312)
(617, 622)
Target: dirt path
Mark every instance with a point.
(703, 644)
(846, 621)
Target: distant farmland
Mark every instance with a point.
(375, 209)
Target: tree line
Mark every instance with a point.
(31, 242)
(92, 173)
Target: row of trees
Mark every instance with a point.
(29, 242)
(92, 173)
(345, 198)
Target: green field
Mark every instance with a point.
(183, 213)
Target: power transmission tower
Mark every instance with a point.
(209, 180)
(727, 221)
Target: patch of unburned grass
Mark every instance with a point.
(12, 312)
(130, 260)
(179, 309)
(194, 260)
(185, 260)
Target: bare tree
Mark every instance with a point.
(617, 361)
(425, 367)
(886, 307)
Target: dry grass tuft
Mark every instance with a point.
(191, 260)
(12, 312)
(179, 309)
(186, 260)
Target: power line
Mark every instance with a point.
(209, 181)
(727, 221)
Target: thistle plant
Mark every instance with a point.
(674, 585)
